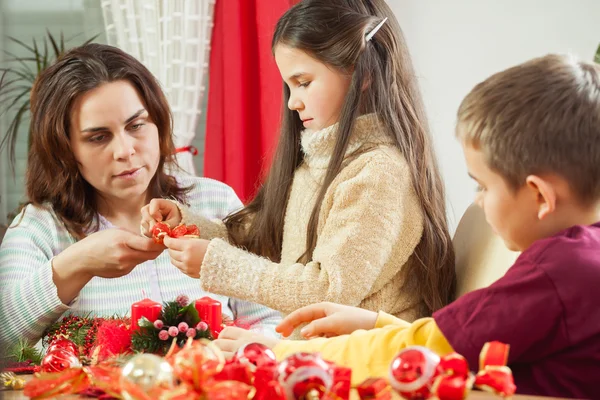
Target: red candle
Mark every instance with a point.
(209, 311)
(144, 308)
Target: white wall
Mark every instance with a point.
(456, 44)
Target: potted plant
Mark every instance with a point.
(16, 82)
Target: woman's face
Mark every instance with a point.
(114, 141)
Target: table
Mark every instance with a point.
(475, 395)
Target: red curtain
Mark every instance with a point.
(244, 97)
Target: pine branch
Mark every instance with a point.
(23, 351)
(171, 313)
(147, 341)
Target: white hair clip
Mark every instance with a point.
(374, 31)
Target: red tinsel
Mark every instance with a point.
(112, 339)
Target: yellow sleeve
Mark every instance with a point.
(369, 353)
(385, 319)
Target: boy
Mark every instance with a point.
(531, 140)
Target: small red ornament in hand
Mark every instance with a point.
(64, 344)
(58, 360)
(303, 373)
(255, 355)
(161, 229)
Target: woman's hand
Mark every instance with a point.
(327, 319)
(109, 253)
(232, 338)
(187, 254)
(159, 210)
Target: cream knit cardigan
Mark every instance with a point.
(369, 225)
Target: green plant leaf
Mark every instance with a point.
(12, 133)
(57, 51)
(21, 43)
(597, 55)
(37, 57)
(45, 58)
(145, 323)
(22, 60)
(190, 315)
(12, 95)
(23, 93)
(90, 40)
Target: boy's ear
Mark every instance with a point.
(544, 193)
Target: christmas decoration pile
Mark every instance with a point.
(199, 371)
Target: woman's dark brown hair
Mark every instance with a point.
(333, 32)
(52, 172)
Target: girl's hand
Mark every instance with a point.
(232, 338)
(187, 254)
(159, 210)
(327, 319)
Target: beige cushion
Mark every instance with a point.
(481, 256)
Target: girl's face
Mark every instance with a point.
(317, 91)
(114, 141)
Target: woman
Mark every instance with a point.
(100, 140)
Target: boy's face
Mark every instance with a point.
(511, 214)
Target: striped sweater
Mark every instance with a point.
(28, 297)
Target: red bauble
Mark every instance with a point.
(58, 360)
(64, 344)
(178, 231)
(192, 230)
(454, 364)
(159, 231)
(301, 373)
(412, 372)
(255, 355)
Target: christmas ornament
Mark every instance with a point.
(53, 384)
(159, 231)
(342, 377)
(304, 374)
(162, 229)
(412, 372)
(267, 385)
(58, 360)
(64, 344)
(198, 361)
(233, 370)
(374, 388)
(255, 355)
(9, 380)
(147, 371)
(494, 376)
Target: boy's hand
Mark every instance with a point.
(232, 338)
(187, 254)
(159, 210)
(327, 319)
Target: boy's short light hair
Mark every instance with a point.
(540, 117)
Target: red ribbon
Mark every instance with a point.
(190, 149)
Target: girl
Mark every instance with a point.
(100, 138)
(353, 208)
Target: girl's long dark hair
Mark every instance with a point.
(333, 32)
